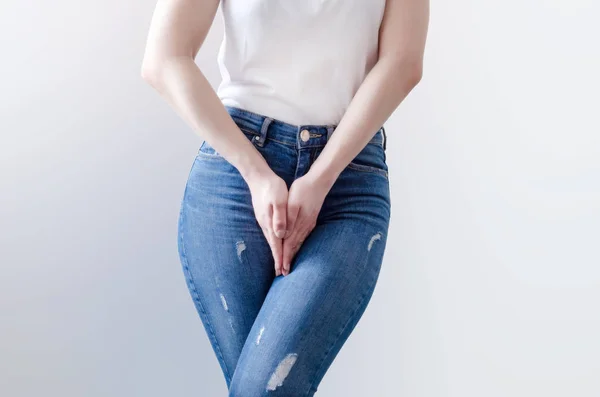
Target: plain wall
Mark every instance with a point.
(490, 284)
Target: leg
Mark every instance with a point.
(308, 315)
(226, 260)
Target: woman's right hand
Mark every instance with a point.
(269, 199)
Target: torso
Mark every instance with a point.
(298, 61)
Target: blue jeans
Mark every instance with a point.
(277, 336)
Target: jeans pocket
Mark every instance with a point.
(206, 151)
(370, 159)
(368, 168)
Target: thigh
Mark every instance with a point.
(226, 260)
(308, 315)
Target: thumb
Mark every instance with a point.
(279, 219)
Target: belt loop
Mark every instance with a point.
(263, 131)
(330, 129)
(384, 138)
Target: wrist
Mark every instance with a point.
(254, 169)
(322, 176)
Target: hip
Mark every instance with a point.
(290, 150)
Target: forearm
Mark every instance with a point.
(383, 89)
(177, 31)
(182, 84)
(402, 37)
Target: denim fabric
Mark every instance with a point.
(277, 336)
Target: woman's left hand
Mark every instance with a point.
(305, 199)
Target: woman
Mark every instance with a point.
(285, 213)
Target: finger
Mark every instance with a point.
(280, 218)
(291, 247)
(293, 210)
(295, 237)
(273, 246)
(288, 250)
(276, 249)
(293, 250)
(300, 238)
(276, 245)
(297, 247)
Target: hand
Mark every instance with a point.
(305, 199)
(269, 198)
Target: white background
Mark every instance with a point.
(491, 280)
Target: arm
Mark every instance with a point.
(177, 31)
(398, 70)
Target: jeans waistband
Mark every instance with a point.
(298, 136)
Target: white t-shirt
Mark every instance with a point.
(298, 61)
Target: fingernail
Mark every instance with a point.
(280, 233)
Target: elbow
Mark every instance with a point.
(153, 67)
(414, 73)
(406, 71)
(150, 72)
(407, 67)
(157, 69)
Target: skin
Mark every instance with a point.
(177, 31)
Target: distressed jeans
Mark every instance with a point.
(277, 336)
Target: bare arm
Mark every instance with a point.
(398, 70)
(177, 31)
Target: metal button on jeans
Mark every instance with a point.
(305, 135)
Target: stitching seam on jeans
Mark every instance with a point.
(368, 168)
(254, 132)
(195, 294)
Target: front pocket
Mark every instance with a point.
(208, 152)
(368, 168)
(370, 159)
